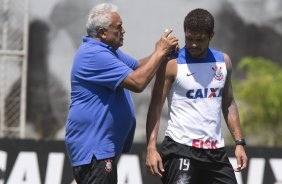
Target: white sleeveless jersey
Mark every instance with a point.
(194, 100)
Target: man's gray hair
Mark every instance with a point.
(99, 18)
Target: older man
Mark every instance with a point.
(101, 120)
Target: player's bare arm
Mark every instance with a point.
(164, 78)
(231, 116)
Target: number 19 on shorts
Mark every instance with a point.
(184, 164)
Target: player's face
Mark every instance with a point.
(114, 34)
(197, 43)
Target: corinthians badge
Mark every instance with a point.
(108, 167)
(217, 73)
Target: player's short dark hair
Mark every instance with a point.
(199, 20)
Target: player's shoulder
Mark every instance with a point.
(221, 54)
(172, 62)
(215, 54)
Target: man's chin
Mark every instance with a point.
(197, 54)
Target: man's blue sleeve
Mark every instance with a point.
(102, 68)
(128, 60)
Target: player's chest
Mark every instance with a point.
(204, 75)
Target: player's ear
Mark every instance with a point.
(211, 35)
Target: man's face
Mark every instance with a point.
(114, 34)
(197, 43)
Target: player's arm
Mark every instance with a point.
(231, 116)
(162, 84)
(138, 79)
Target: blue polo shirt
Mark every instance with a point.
(101, 120)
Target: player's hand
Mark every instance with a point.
(154, 163)
(167, 43)
(241, 157)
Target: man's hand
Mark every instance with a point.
(241, 158)
(167, 43)
(154, 163)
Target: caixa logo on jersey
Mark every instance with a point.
(204, 93)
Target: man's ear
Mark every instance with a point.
(102, 33)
